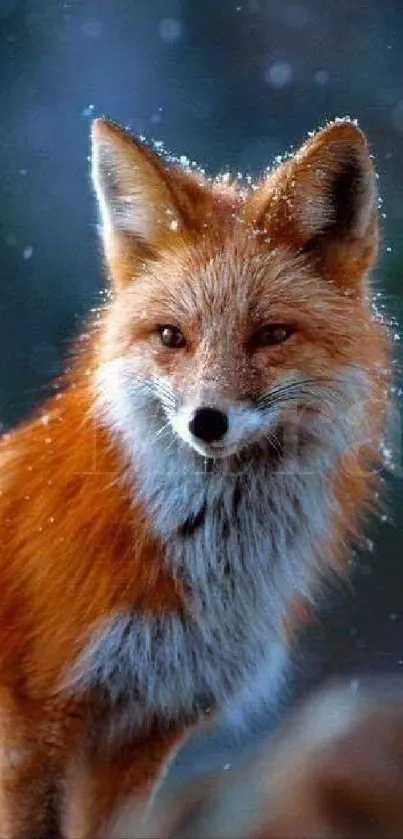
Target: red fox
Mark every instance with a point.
(168, 514)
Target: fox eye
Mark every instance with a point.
(272, 334)
(171, 337)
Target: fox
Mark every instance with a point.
(169, 515)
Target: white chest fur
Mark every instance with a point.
(242, 545)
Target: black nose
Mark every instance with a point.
(208, 424)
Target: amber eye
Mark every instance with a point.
(171, 337)
(272, 334)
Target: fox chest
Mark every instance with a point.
(226, 555)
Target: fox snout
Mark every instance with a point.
(218, 427)
(209, 424)
(208, 427)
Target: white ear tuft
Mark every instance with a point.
(131, 184)
(323, 201)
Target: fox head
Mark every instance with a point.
(238, 311)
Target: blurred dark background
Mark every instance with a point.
(229, 84)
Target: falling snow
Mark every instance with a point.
(170, 29)
(88, 111)
(92, 28)
(279, 74)
(321, 77)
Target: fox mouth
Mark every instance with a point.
(218, 450)
(270, 447)
(252, 440)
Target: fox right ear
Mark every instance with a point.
(323, 203)
(138, 199)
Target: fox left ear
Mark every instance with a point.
(323, 202)
(143, 200)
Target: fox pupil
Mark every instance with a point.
(171, 337)
(271, 334)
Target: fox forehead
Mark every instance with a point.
(219, 289)
(234, 279)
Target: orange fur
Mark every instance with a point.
(75, 547)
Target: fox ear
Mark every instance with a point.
(323, 202)
(138, 198)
